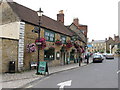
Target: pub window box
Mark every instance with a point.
(69, 44)
(58, 42)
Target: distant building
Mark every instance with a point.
(112, 45)
(97, 46)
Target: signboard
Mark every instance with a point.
(38, 42)
(43, 68)
(21, 46)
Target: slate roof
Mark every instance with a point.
(30, 16)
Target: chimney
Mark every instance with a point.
(105, 39)
(76, 21)
(60, 16)
(116, 38)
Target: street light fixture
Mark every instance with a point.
(39, 13)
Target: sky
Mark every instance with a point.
(101, 16)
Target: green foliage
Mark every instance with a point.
(108, 51)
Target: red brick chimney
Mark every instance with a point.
(60, 16)
(76, 21)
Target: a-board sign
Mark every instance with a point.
(43, 67)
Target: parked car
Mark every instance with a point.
(99, 54)
(104, 54)
(109, 56)
(97, 58)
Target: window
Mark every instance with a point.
(63, 39)
(49, 55)
(49, 36)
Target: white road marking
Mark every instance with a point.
(118, 71)
(66, 83)
(29, 86)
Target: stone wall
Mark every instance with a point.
(0, 55)
(8, 15)
(111, 42)
(30, 37)
(9, 53)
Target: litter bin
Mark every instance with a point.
(12, 67)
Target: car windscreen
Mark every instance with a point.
(97, 56)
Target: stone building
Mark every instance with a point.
(97, 46)
(79, 37)
(19, 26)
(81, 27)
(112, 44)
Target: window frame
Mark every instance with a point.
(62, 40)
(49, 35)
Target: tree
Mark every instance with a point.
(118, 51)
(108, 51)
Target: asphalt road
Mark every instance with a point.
(95, 75)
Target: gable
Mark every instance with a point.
(7, 13)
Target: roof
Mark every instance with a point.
(98, 41)
(89, 45)
(30, 16)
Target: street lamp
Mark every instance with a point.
(39, 13)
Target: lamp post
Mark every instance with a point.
(39, 15)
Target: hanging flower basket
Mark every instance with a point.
(76, 45)
(31, 47)
(58, 42)
(69, 44)
(41, 43)
(79, 50)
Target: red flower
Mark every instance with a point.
(69, 44)
(43, 43)
(58, 42)
(31, 47)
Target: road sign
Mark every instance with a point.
(43, 68)
(37, 42)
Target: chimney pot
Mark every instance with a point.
(60, 16)
(76, 21)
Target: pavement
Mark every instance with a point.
(19, 80)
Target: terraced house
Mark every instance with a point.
(18, 35)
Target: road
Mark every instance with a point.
(119, 72)
(95, 75)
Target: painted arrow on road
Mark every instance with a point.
(66, 83)
(118, 71)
